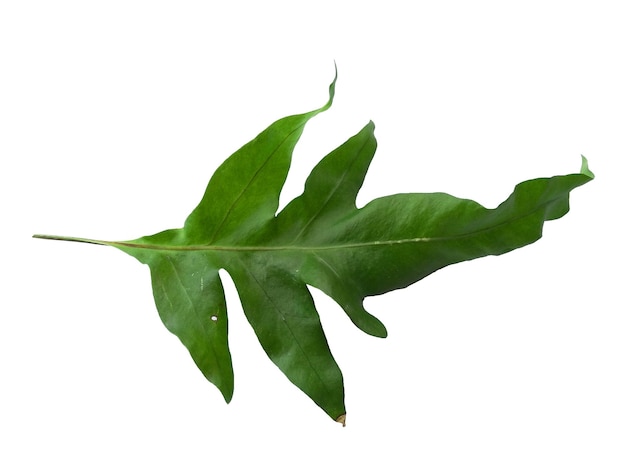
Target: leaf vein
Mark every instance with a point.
(339, 182)
(250, 182)
(286, 324)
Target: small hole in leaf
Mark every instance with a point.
(214, 317)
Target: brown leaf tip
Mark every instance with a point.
(342, 420)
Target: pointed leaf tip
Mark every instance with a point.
(585, 168)
(342, 419)
(331, 93)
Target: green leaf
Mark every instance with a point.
(320, 239)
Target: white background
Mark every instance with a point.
(113, 116)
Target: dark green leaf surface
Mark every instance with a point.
(320, 239)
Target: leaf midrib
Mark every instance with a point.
(306, 248)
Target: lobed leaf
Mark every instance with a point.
(320, 239)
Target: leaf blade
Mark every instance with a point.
(320, 239)
(244, 191)
(281, 311)
(421, 233)
(190, 300)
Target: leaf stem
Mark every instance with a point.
(72, 239)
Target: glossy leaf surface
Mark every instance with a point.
(320, 239)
